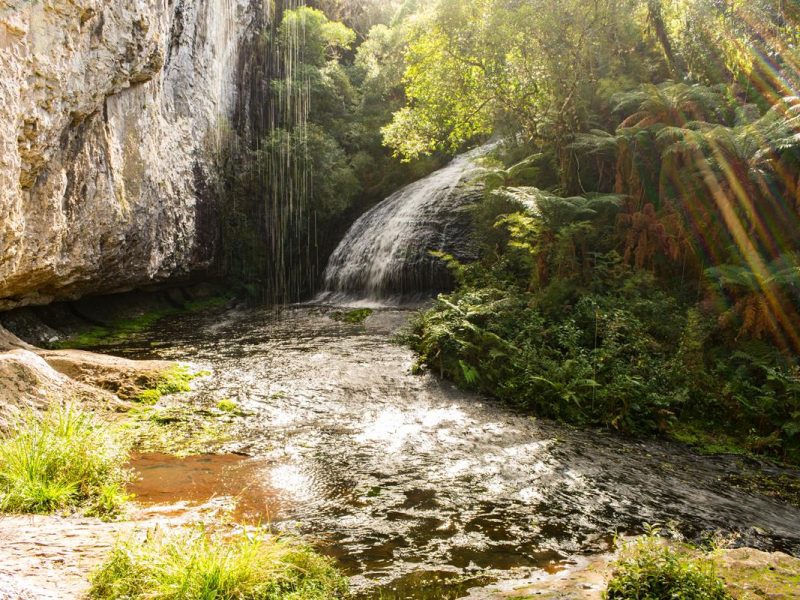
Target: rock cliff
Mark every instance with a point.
(110, 114)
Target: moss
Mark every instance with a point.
(207, 303)
(172, 381)
(177, 430)
(229, 406)
(752, 575)
(354, 317)
(149, 397)
(120, 330)
(704, 439)
(783, 487)
(114, 333)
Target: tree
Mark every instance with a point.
(317, 38)
(763, 299)
(532, 66)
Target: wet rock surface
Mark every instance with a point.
(35, 378)
(403, 477)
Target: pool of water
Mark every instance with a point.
(411, 483)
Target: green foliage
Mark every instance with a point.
(333, 180)
(316, 158)
(63, 459)
(529, 67)
(320, 38)
(553, 318)
(641, 221)
(670, 104)
(563, 352)
(197, 565)
(651, 570)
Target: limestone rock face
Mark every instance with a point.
(110, 114)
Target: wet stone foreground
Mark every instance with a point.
(404, 478)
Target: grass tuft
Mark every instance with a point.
(650, 570)
(63, 459)
(197, 565)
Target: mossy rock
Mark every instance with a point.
(174, 380)
(752, 575)
(354, 317)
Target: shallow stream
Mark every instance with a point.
(405, 479)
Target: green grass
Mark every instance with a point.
(650, 570)
(64, 459)
(354, 317)
(197, 565)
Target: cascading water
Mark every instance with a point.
(268, 226)
(386, 254)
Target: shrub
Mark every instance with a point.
(64, 459)
(195, 565)
(650, 570)
(599, 360)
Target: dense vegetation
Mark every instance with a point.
(640, 224)
(315, 158)
(197, 564)
(63, 460)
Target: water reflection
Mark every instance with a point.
(404, 477)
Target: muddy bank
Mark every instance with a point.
(748, 575)
(52, 558)
(39, 363)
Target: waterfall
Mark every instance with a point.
(386, 254)
(268, 226)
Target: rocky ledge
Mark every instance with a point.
(31, 377)
(111, 112)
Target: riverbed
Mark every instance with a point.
(410, 482)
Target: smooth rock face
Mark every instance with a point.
(110, 114)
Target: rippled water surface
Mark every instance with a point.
(402, 477)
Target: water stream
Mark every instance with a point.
(404, 478)
(386, 253)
